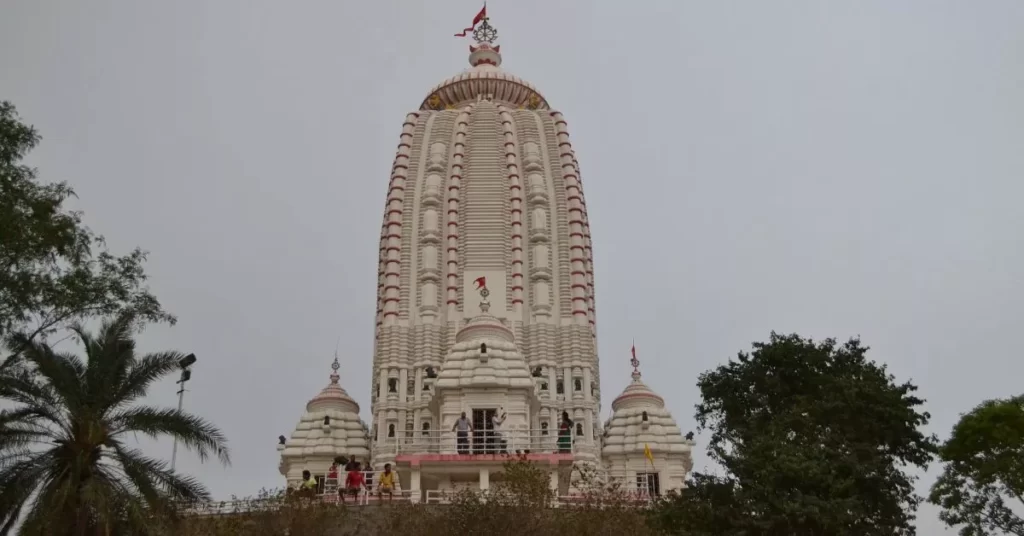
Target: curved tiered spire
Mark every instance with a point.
(639, 419)
(329, 427)
(485, 78)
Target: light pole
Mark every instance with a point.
(186, 374)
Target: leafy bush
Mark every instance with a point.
(521, 502)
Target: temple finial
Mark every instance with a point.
(482, 30)
(334, 368)
(481, 285)
(635, 362)
(485, 33)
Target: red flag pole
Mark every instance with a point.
(482, 15)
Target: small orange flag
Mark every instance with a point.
(647, 453)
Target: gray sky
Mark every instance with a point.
(830, 168)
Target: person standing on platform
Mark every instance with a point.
(462, 429)
(565, 434)
(496, 421)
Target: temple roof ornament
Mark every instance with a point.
(334, 396)
(485, 326)
(485, 79)
(635, 362)
(485, 33)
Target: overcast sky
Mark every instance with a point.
(829, 168)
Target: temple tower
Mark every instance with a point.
(485, 187)
(485, 308)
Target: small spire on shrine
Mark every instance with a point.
(635, 362)
(334, 368)
(481, 285)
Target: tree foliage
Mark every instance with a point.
(53, 270)
(983, 480)
(65, 462)
(813, 438)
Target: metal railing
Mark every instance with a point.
(510, 441)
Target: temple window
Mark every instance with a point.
(426, 428)
(392, 385)
(577, 384)
(559, 387)
(391, 430)
(410, 389)
(579, 429)
(649, 482)
(544, 428)
(644, 416)
(543, 386)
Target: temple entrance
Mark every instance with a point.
(482, 426)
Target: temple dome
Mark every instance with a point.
(627, 431)
(330, 426)
(484, 78)
(467, 363)
(485, 326)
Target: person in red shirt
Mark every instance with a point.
(354, 482)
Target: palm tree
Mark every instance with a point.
(65, 467)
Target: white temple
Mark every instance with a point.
(486, 307)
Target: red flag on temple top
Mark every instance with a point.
(481, 282)
(633, 350)
(476, 20)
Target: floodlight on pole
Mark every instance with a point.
(186, 374)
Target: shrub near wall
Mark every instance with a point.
(521, 505)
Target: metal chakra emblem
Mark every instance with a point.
(485, 33)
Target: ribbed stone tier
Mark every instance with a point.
(627, 431)
(485, 355)
(485, 77)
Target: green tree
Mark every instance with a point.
(983, 479)
(65, 460)
(813, 439)
(54, 271)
